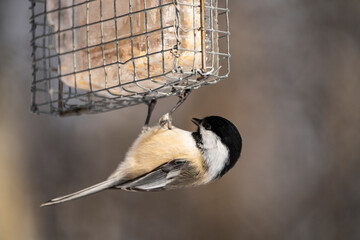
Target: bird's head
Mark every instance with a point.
(220, 142)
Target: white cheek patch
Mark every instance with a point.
(216, 154)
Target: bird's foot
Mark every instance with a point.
(166, 121)
(145, 129)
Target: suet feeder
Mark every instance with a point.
(99, 55)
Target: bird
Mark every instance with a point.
(164, 157)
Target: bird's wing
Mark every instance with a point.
(160, 178)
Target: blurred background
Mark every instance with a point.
(293, 93)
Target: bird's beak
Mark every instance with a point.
(196, 121)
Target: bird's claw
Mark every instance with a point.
(145, 129)
(166, 121)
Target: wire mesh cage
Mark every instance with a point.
(98, 55)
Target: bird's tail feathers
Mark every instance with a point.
(82, 193)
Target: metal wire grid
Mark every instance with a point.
(51, 96)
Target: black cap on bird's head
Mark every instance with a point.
(228, 134)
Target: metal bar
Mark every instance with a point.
(87, 46)
(195, 32)
(203, 36)
(61, 85)
(34, 107)
(162, 37)
(117, 46)
(73, 45)
(102, 43)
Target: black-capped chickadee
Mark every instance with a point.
(165, 157)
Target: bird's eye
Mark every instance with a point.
(207, 126)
